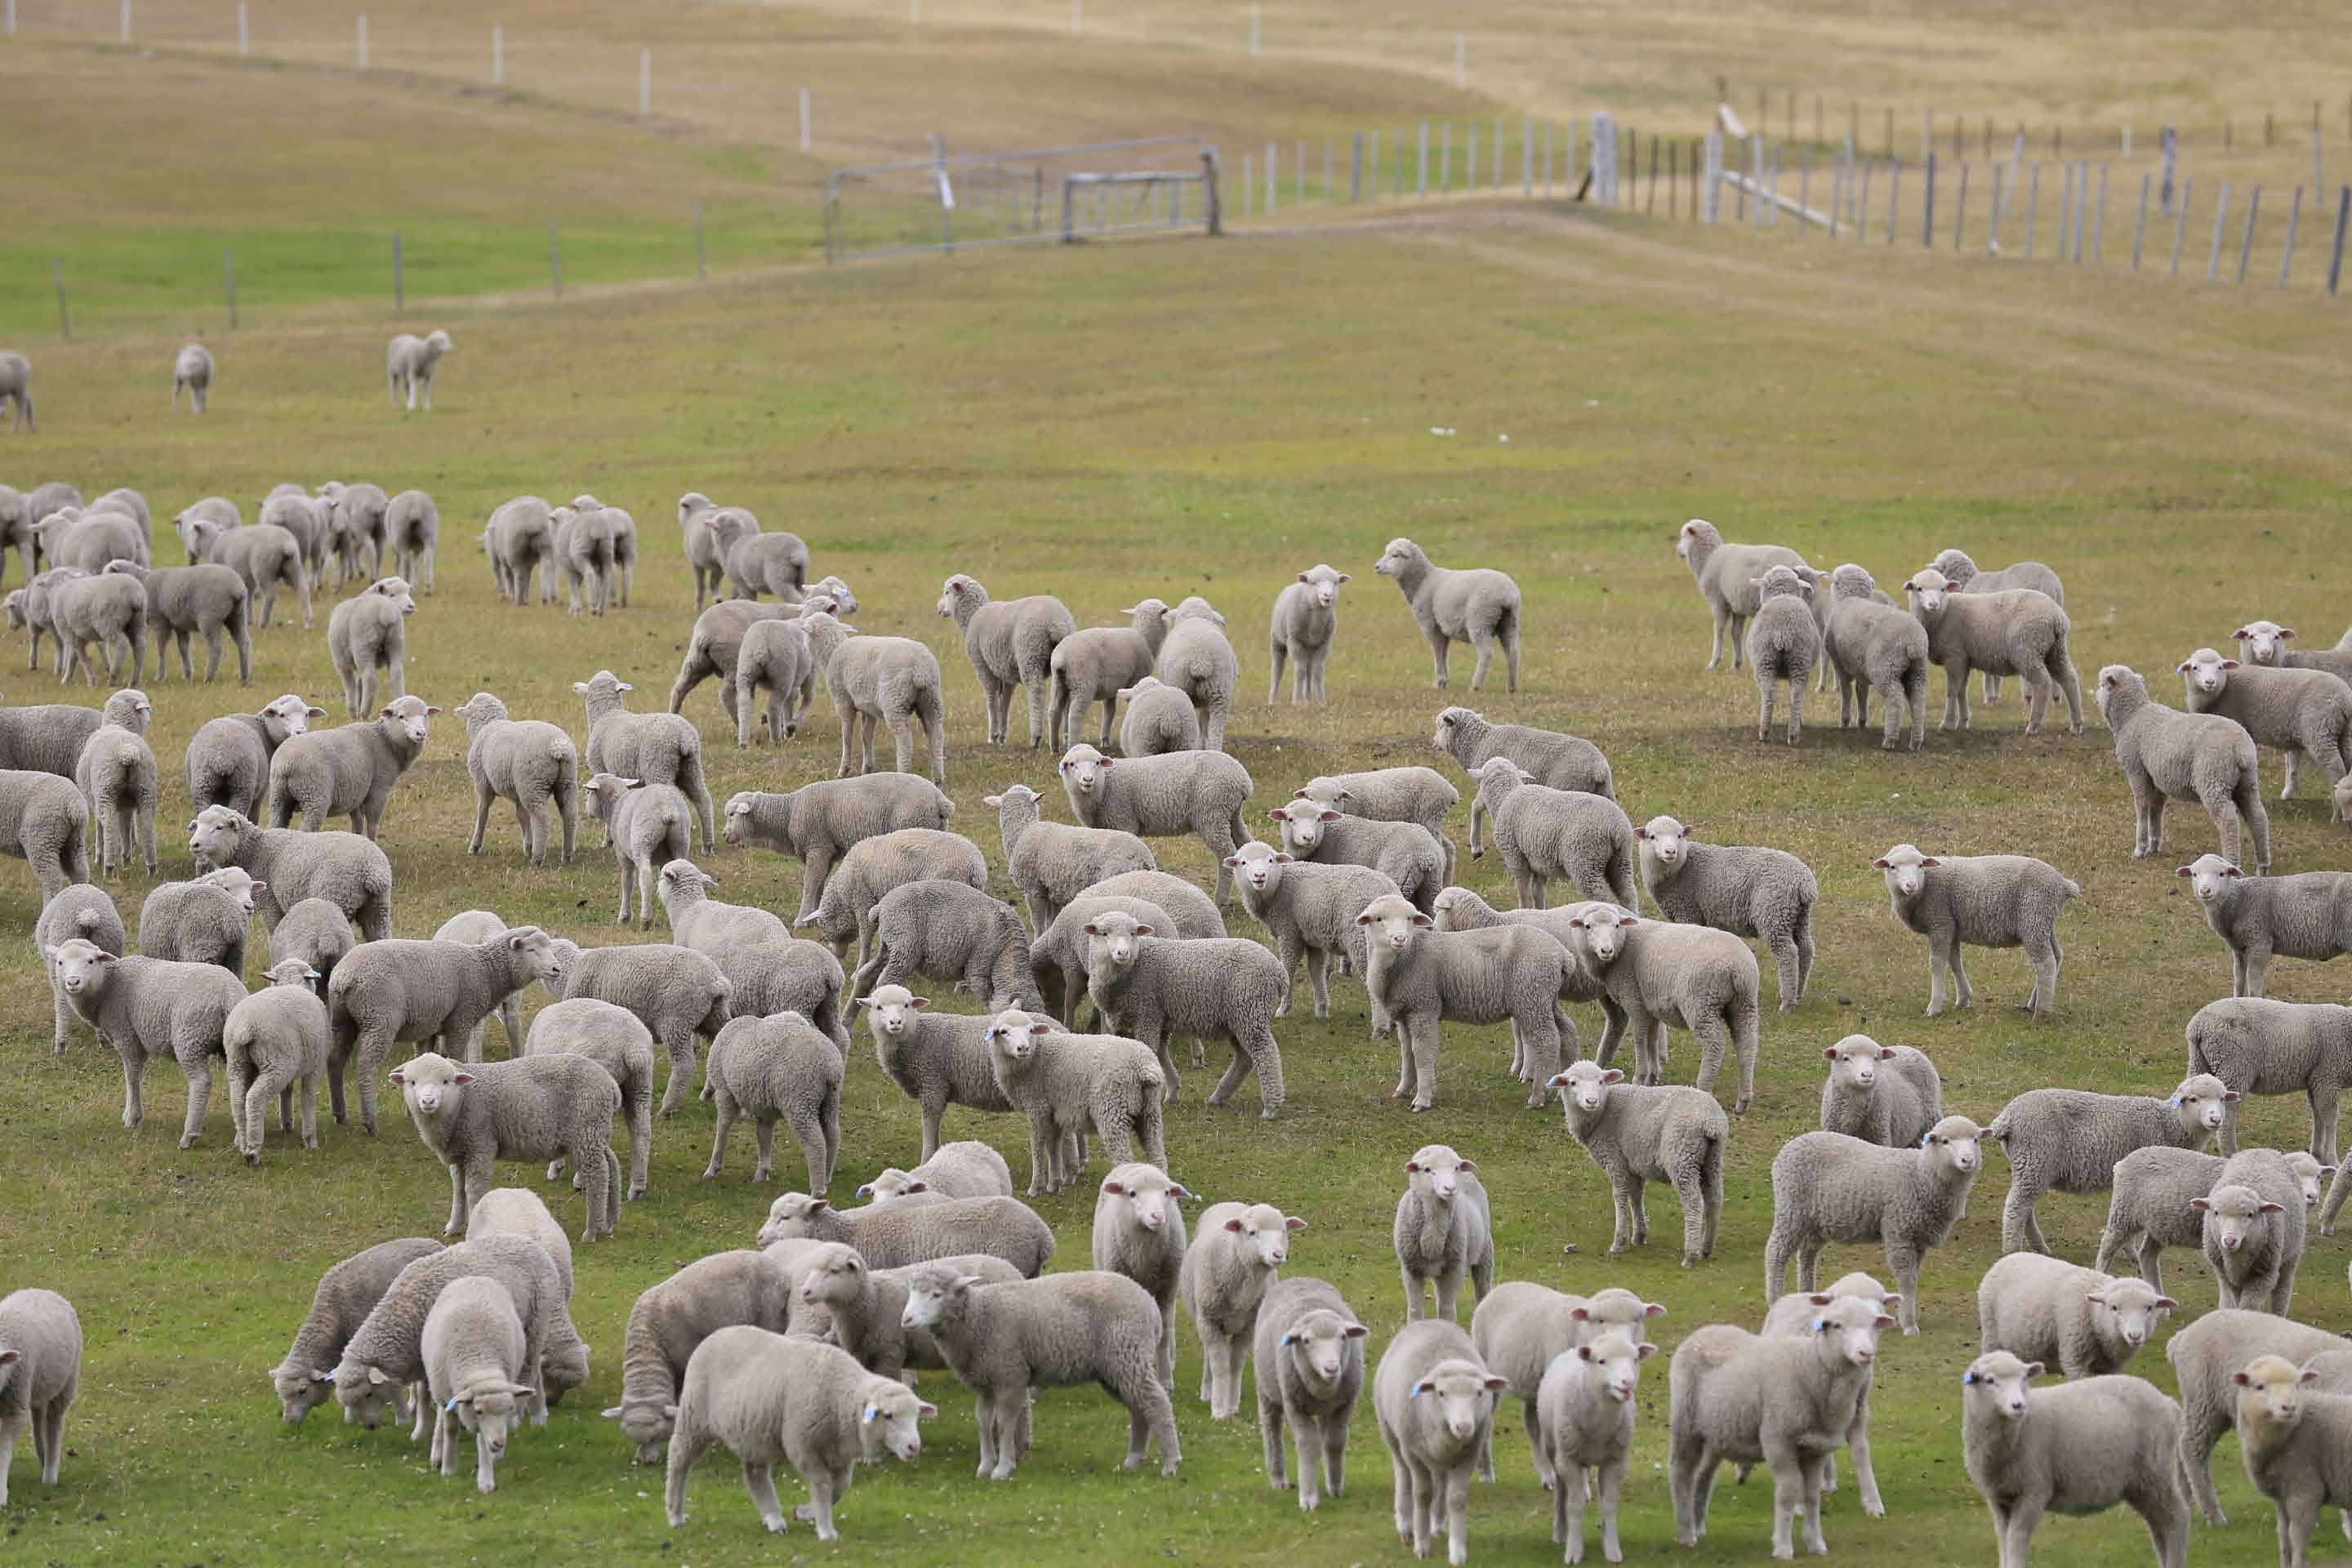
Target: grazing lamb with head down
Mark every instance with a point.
(1729, 577)
(1747, 889)
(774, 562)
(1186, 793)
(318, 933)
(1543, 833)
(1557, 761)
(2306, 713)
(2079, 1448)
(144, 1006)
(409, 361)
(1639, 1133)
(1874, 645)
(347, 770)
(2015, 632)
(944, 931)
(1097, 664)
(1479, 606)
(715, 648)
(1888, 1095)
(472, 1351)
(1306, 619)
(821, 821)
(41, 1360)
(1160, 720)
(1011, 644)
(531, 763)
(775, 657)
(1444, 1232)
(1980, 901)
(1310, 1369)
(659, 748)
(1784, 643)
(228, 761)
(388, 990)
(1829, 1187)
(2071, 1138)
(386, 1354)
(1434, 1401)
(671, 1318)
(46, 823)
(874, 868)
(1419, 977)
(1662, 974)
(347, 1293)
(2168, 755)
(2304, 916)
(183, 601)
(1238, 1252)
(2089, 1323)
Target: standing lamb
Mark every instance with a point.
(1389, 795)
(2155, 1189)
(1783, 643)
(822, 820)
(117, 777)
(206, 921)
(368, 631)
(47, 737)
(1097, 664)
(1480, 607)
(2254, 1230)
(1981, 900)
(1196, 660)
(1639, 1134)
(893, 683)
(40, 1348)
(945, 931)
(2260, 1046)
(531, 763)
(386, 1354)
(265, 555)
(2306, 713)
(2090, 1323)
(1444, 1232)
(1153, 986)
(1160, 720)
(44, 822)
(1662, 974)
(347, 770)
(2015, 632)
(2206, 1357)
(521, 541)
(1309, 910)
(1011, 644)
(1521, 1327)
(1543, 833)
(2168, 755)
(531, 1108)
(584, 554)
(2070, 1140)
(2078, 1449)
(1419, 977)
(779, 1069)
(1557, 761)
(468, 928)
(343, 868)
(1434, 1400)
(874, 868)
(1887, 1095)
(1186, 793)
(76, 911)
(618, 1041)
(1306, 619)
(659, 748)
(412, 534)
(108, 610)
(275, 1039)
(768, 970)
(1728, 576)
(708, 531)
(775, 657)
(1747, 889)
(17, 387)
(1238, 1252)
(648, 825)
(894, 1236)
(228, 761)
(1876, 646)
(1139, 1232)
(1585, 1408)
(1405, 852)
(775, 563)
(1310, 1352)
(183, 601)
(676, 994)
(1053, 862)
(1829, 1187)
(409, 361)
(436, 992)
(2304, 916)
(937, 1059)
(144, 1006)
(472, 1349)
(1962, 572)
(1069, 1084)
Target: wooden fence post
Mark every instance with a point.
(2139, 230)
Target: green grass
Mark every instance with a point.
(1104, 422)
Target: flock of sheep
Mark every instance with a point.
(793, 1351)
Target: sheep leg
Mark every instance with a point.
(760, 1480)
(1621, 1193)
(1044, 1144)
(1318, 981)
(809, 1132)
(2043, 1001)
(1278, 652)
(725, 1107)
(1422, 1053)
(869, 723)
(1722, 614)
(1438, 644)
(198, 1069)
(1941, 948)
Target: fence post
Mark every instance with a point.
(12, 18)
(399, 296)
(2246, 246)
(1298, 173)
(65, 322)
(805, 119)
(701, 257)
(2099, 218)
(2139, 230)
(1078, 22)
(1499, 152)
(2033, 207)
(1421, 187)
(1650, 210)
(229, 279)
(2082, 205)
(1470, 166)
(1528, 158)
(2065, 207)
(1862, 205)
(1249, 182)
(644, 83)
(1960, 209)
(2286, 252)
(1461, 61)
(498, 55)
(554, 260)
(1210, 199)
(2318, 183)
(1893, 196)
(2334, 261)
(1928, 213)
(2169, 151)
(1356, 169)
(2180, 222)
(1710, 190)
(1253, 22)
(1805, 190)
(126, 21)
(2221, 213)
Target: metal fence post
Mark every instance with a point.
(1960, 210)
(228, 278)
(2180, 221)
(1928, 213)
(1356, 169)
(1893, 196)
(2139, 229)
(554, 260)
(2221, 215)
(2246, 246)
(2286, 252)
(2099, 218)
(2334, 261)
(2033, 207)
(1445, 157)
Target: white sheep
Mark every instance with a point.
(967, 1169)
(1480, 607)
(1747, 890)
(228, 759)
(531, 1107)
(1139, 1231)
(1829, 1187)
(1663, 975)
(1306, 619)
(1069, 1084)
(1153, 986)
(1185, 793)
(1727, 577)
(1160, 719)
(648, 825)
(1389, 795)
(1098, 664)
(890, 682)
(2254, 1230)
(618, 1041)
(1981, 900)
(1011, 644)
(1444, 1232)
(472, 1349)
(2077, 1449)
(17, 387)
(1962, 572)
(2259, 1047)
(2297, 1445)
(1638, 1134)
(1196, 660)
(1874, 645)
(344, 868)
(937, 1059)
(106, 609)
(520, 541)
(76, 910)
(1434, 1401)
(2089, 1323)
(1521, 1327)
(2017, 631)
(438, 992)
(1889, 1095)
(1784, 643)
(144, 1006)
(349, 770)
(1310, 911)
(2306, 713)
(1405, 852)
(411, 535)
(1419, 977)
(1310, 1352)
(265, 555)
(44, 822)
(659, 748)
(40, 1352)
(409, 361)
(1585, 1410)
(1053, 862)
(276, 1039)
(368, 631)
(894, 1236)
(1238, 1252)
(779, 1069)
(2070, 1140)
(1543, 833)
(821, 822)
(116, 776)
(2308, 915)
(347, 1293)
(2166, 755)
(1559, 761)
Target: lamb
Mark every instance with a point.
(1876, 646)
(2291, 1424)
(2306, 713)
(17, 387)
(1543, 833)
(412, 534)
(1984, 900)
(1729, 577)
(767, 1069)
(150, 1005)
(768, 563)
(40, 1348)
(1002, 1341)
(768, 970)
(1887, 1095)
(1434, 1401)
(1480, 607)
(1443, 1231)
(1310, 1368)
(409, 361)
(1098, 664)
(1521, 1327)
(1196, 660)
(1389, 795)
(1419, 977)
(344, 868)
(34, 608)
(585, 552)
(105, 610)
(2263, 642)
(275, 1038)
(821, 821)
(1829, 1187)
(1747, 889)
(2087, 1321)
(2154, 1189)
(1160, 720)
(76, 911)
(1586, 1411)
(1306, 618)
(1962, 572)
(183, 601)
(1787, 1403)
(437, 991)
(1053, 862)
(213, 509)
(1198, 793)
(2206, 1356)
(88, 540)
(533, 1108)
(356, 515)
(2070, 1139)
(1663, 974)
(228, 759)
(318, 933)
(1139, 1232)
(2254, 1230)
(1152, 986)
(366, 633)
(116, 775)
(1194, 911)
(2167, 754)
(1010, 644)
(1557, 761)
(52, 496)
(622, 577)
(310, 522)
(2077, 1449)
(648, 825)
(520, 540)
(531, 763)
(1792, 1317)
(265, 555)
(893, 1235)
(676, 994)
(969, 1169)
(875, 866)
(1639, 1134)
(347, 770)
(937, 1059)
(1238, 1252)
(1066, 1084)
(46, 738)
(892, 682)
(1404, 851)
(386, 1353)
(618, 1041)
(2017, 631)
(670, 1318)
(16, 531)
(1784, 643)
(945, 931)
(2304, 916)
(44, 822)
(472, 1351)
(775, 656)
(2261, 1046)
(469, 927)
(1310, 910)
(864, 1310)
(768, 1398)
(659, 748)
(347, 1293)
(206, 921)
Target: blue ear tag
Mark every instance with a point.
(1416, 1392)
(870, 1414)
(452, 1406)
(1968, 1377)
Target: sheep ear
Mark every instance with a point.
(1882, 1322)
(2229, 664)
(376, 1374)
(1470, 1166)
(1329, 816)
(2165, 1303)
(1886, 1053)
(1828, 1053)
(1282, 859)
(1422, 920)
(2095, 1299)
(1363, 919)
(1928, 861)
(2200, 1205)
(2273, 1208)
(2186, 871)
(1232, 1225)
(992, 800)
(1345, 577)
(1584, 1353)
(1880, 863)
(1413, 1167)
(2285, 633)
(1497, 1384)
(1277, 815)
(2232, 1098)
(1294, 1223)
(1091, 929)
(1145, 931)
(1302, 576)
(814, 1204)
(2239, 636)
(918, 1003)
(1113, 1188)
(396, 1076)
(461, 1079)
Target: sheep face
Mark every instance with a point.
(1957, 1141)
(292, 972)
(790, 1216)
(887, 1423)
(2203, 1101)
(1258, 867)
(738, 828)
(1907, 871)
(1401, 556)
(2265, 642)
(1796, 581)
(1584, 1086)
(365, 1393)
(935, 1296)
(892, 1185)
(81, 968)
(1616, 1363)
(431, 1083)
(238, 883)
(2311, 1175)
(835, 1273)
(214, 836)
(1457, 909)
(1144, 1197)
(683, 881)
(289, 716)
(1391, 921)
(1665, 838)
(1851, 1327)
(1266, 1230)
(841, 600)
(1435, 1172)
(1302, 824)
(1463, 1394)
(646, 1423)
(1621, 1312)
(1013, 1035)
(1318, 1342)
(1999, 1383)
(300, 1390)
(1323, 582)
(1111, 939)
(2206, 672)
(1853, 1062)
(1929, 589)
(394, 589)
(1696, 534)
(603, 684)
(2119, 683)
(2272, 1387)
(957, 594)
(1602, 929)
(413, 716)
(2232, 1213)
(2131, 1308)
(1086, 770)
(893, 1009)
(539, 952)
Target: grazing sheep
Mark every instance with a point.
(44, 822)
(775, 656)
(2260, 1046)
(969, 1169)
(1196, 660)
(531, 763)
(2306, 713)
(1639, 1134)
(1585, 1412)
(1153, 986)
(1874, 645)
(347, 1293)
(618, 1041)
(1543, 833)
(1306, 618)
(144, 1006)
(1053, 862)
(265, 555)
(778, 1069)
(676, 994)
(1139, 1231)
(1434, 1401)
(2206, 1356)
(344, 868)
(821, 821)
(2304, 916)
(2080, 1447)
(1098, 664)
(1195, 793)
(409, 361)
(1521, 1327)
(1557, 761)
(1662, 974)
(1747, 889)
(183, 601)
(17, 387)
(2254, 1230)
(16, 531)
(472, 1351)
(1011, 644)
(1444, 1232)
(386, 1354)
(875, 867)
(1309, 910)
(1480, 607)
(274, 1039)
(88, 540)
(368, 631)
(33, 608)
(532, 1109)
(1982, 900)
(2168, 755)
(1729, 577)
(520, 540)
(412, 534)
(659, 748)
(945, 931)
(584, 554)
(2017, 631)
(894, 1236)
(105, 610)
(1419, 977)
(648, 825)
(46, 738)
(1067, 1084)
(1238, 1252)
(892, 682)
(1310, 1369)
(228, 759)
(1405, 852)
(347, 770)
(54, 495)
(206, 921)
(1829, 1187)
(2070, 1139)
(76, 911)
(768, 563)
(671, 1318)
(318, 933)
(768, 970)
(133, 505)
(2089, 1323)
(1887, 1095)
(1160, 720)
(117, 777)
(937, 1059)
(1783, 643)
(40, 1350)
(436, 992)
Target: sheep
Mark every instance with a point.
(1002, 1341)
(1238, 1252)
(355, 514)
(2079, 1448)
(386, 1353)
(130, 504)
(1444, 1232)
(618, 1041)
(1419, 977)
(1662, 974)
(2292, 1427)
(936, 1059)
(44, 822)
(275, 1038)
(2206, 1355)
(88, 540)
(318, 933)
(1521, 1327)
(1434, 1401)
(520, 540)
(1962, 573)
(676, 994)
(436, 992)
(671, 1318)
(1198, 793)
(1747, 889)
(184, 600)
(1792, 1318)
(2017, 631)
(2263, 642)
(768, 563)
(1152, 986)
(347, 1293)
(775, 655)
(344, 868)
(17, 387)
(1543, 833)
(1641, 1133)
(409, 361)
(648, 826)
(16, 531)
(40, 1352)
(531, 763)
(228, 759)
(708, 531)
(822, 820)
(1887, 1095)
(309, 522)
(2154, 1189)
(106, 610)
(1784, 643)
(1479, 606)
(1557, 761)
(1194, 911)
(472, 1352)
(622, 576)
(1404, 851)
(215, 508)
(265, 555)
(1196, 660)
(968, 1169)
(1874, 645)
(468, 928)
(769, 1070)
(206, 921)
(54, 495)
(1053, 862)
(2167, 754)
(117, 777)
(533, 1108)
(584, 554)
(1586, 1405)
(1160, 720)
(150, 1005)
(1310, 1369)
(2306, 713)
(1306, 618)
(1139, 1231)
(659, 748)
(368, 631)
(1066, 1084)
(1983, 900)
(347, 770)
(1098, 664)
(768, 970)
(1310, 910)
(1389, 795)
(892, 682)
(2304, 916)
(2254, 1230)
(945, 931)
(1011, 644)
(2070, 1139)
(873, 868)
(76, 911)
(34, 608)
(46, 738)
(2089, 1323)
(1729, 577)
(1829, 1187)
(412, 534)
(2260, 1046)
(893, 1235)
